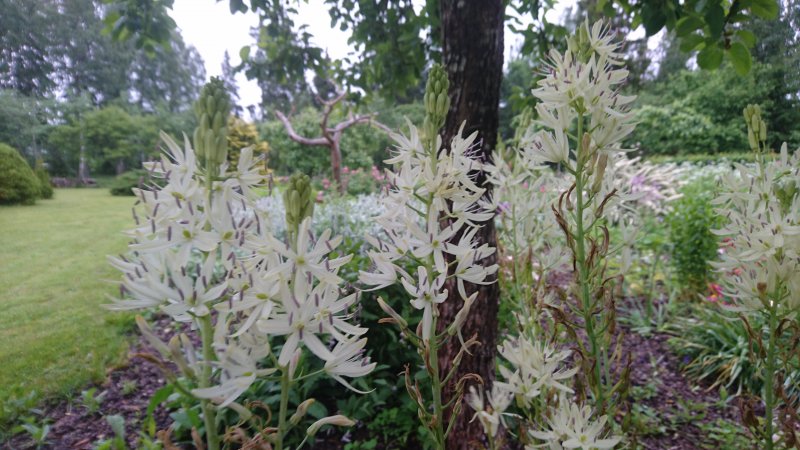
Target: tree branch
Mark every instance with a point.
(296, 137)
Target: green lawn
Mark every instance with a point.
(54, 335)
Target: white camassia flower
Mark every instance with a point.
(195, 251)
(429, 187)
(489, 415)
(426, 293)
(761, 207)
(571, 426)
(573, 83)
(347, 361)
(536, 367)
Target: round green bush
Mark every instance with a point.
(18, 183)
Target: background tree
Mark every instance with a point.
(170, 76)
(231, 86)
(331, 135)
(25, 45)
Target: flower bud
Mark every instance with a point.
(210, 138)
(338, 420)
(437, 102)
(602, 163)
(298, 201)
(302, 408)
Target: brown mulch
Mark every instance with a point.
(681, 406)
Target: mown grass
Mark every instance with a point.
(54, 335)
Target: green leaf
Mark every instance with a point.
(740, 58)
(237, 6)
(715, 18)
(158, 397)
(653, 20)
(691, 42)
(244, 53)
(710, 57)
(688, 24)
(747, 37)
(766, 9)
(117, 424)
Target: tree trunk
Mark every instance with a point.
(472, 39)
(83, 165)
(336, 165)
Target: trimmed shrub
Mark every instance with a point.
(123, 184)
(45, 187)
(18, 183)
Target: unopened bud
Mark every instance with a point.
(602, 163)
(437, 102)
(302, 408)
(392, 313)
(212, 110)
(298, 201)
(338, 420)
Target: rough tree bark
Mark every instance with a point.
(472, 37)
(331, 135)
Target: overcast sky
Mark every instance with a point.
(212, 29)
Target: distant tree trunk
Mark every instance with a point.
(336, 165)
(120, 166)
(472, 40)
(83, 165)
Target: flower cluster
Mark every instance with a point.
(762, 210)
(432, 214)
(760, 264)
(582, 119)
(202, 249)
(572, 426)
(582, 82)
(536, 367)
(433, 211)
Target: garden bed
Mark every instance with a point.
(669, 411)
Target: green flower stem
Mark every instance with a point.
(769, 374)
(583, 275)
(436, 388)
(282, 425)
(209, 415)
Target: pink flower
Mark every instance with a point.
(715, 293)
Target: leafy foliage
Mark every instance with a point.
(693, 111)
(114, 140)
(242, 134)
(716, 350)
(693, 245)
(710, 27)
(18, 183)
